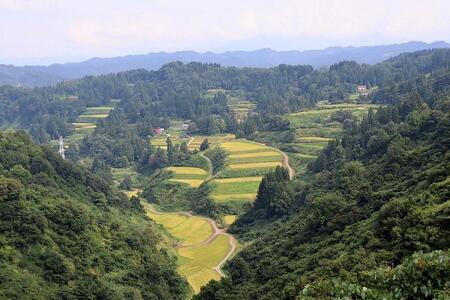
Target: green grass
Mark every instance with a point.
(226, 188)
(260, 159)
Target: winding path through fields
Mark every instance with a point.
(285, 159)
(216, 232)
(209, 164)
(287, 165)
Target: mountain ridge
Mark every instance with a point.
(264, 58)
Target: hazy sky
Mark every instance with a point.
(59, 30)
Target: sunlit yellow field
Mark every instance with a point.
(239, 145)
(229, 219)
(188, 229)
(192, 182)
(239, 179)
(255, 165)
(213, 140)
(196, 258)
(85, 125)
(201, 259)
(187, 170)
(100, 116)
(255, 154)
(230, 197)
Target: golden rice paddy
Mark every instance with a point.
(255, 165)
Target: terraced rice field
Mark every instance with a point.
(85, 123)
(239, 105)
(174, 132)
(213, 140)
(200, 249)
(200, 261)
(188, 175)
(93, 114)
(314, 128)
(247, 162)
(229, 219)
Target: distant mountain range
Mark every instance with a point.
(45, 75)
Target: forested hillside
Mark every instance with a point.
(367, 216)
(178, 90)
(373, 220)
(66, 234)
(263, 58)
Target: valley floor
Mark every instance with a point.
(202, 247)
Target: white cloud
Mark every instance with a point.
(31, 28)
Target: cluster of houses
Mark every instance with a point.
(160, 130)
(362, 90)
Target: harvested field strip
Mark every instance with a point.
(169, 221)
(187, 170)
(254, 151)
(192, 231)
(235, 197)
(201, 259)
(93, 108)
(192, 182)
(255, 165)
(241, 179)
(241, 146)
(131, 193)
(189, 176)
(96, 112)
(204, 247)
(99, 116)
(188, 229)
(255, 154)
(84, 125)
(254, 159)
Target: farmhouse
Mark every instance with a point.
(362, 88)
(185, 127)
(158, 130)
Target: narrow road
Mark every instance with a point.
(232, 244)
(287, 165)
(209, 164)
(216, 232)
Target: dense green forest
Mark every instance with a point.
(368, 220)
(66, 234)
(178, 90)
(373, 220)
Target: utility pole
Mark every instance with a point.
(61, 147)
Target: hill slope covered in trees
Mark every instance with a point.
(66, 234)
(372, 223)
(263, 58)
